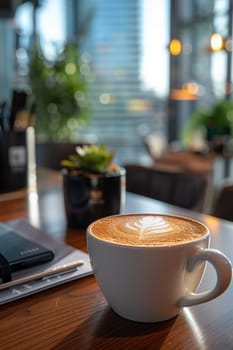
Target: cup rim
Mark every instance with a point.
(162, 246)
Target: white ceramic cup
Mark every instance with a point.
(153, 283)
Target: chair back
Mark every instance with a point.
(175, 187)
(223, 206)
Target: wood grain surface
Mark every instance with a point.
(76, 315)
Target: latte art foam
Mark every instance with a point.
(149, 225)
(147, 229)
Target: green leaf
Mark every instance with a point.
(93, 158)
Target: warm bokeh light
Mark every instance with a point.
(189, 91)
(175, 47)
(216, 42)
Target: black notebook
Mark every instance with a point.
(60, 263)
(21, 252)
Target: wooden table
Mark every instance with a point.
(76, 315)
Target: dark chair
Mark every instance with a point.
(223, 206)
(175, 187)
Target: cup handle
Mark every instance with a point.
(223, 270)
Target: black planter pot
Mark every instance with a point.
(90, 197)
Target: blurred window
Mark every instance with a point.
(125, 43)
(199, 65)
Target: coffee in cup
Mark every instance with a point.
(149, 266)
(147, 230)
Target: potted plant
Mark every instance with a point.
(214, 124)
(93, 185)
(59, 87)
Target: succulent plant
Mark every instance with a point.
(90, 158)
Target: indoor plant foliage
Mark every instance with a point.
(215, 124)
(93, 185)
(90, 159)
(59, 87)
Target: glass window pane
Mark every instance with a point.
(126, 47)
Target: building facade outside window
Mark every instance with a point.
(137, 84)
(126, 44)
